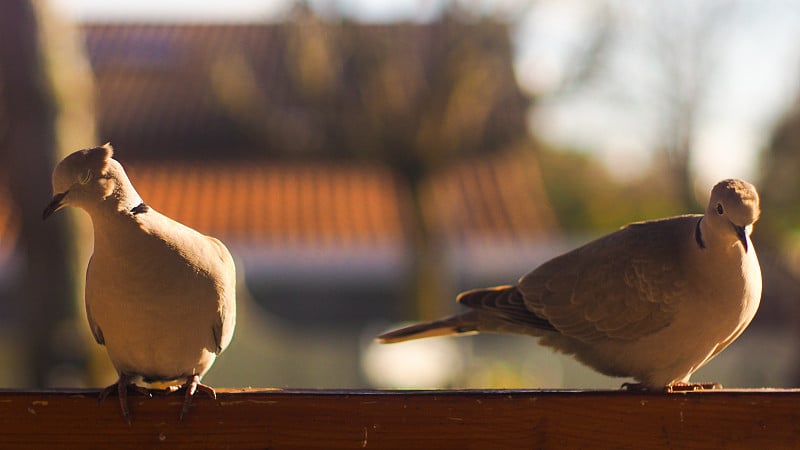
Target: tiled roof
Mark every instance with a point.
(305, 89)
(155, 87)
(485, 198)
(490, 216)
(246, 96)
(308, 204)
(284, 214)
(483, 211)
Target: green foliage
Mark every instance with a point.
(587, 199)
(780, 185)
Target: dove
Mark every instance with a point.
(160, 296)
(653, 301)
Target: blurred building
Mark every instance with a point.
(359, 173)
(323, 153)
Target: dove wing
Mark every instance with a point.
(96, 331)
(226, 319)
(623, 286)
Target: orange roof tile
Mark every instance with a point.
(490, 217)
(308, 205)
(495, 197)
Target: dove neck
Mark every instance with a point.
(120, 195)
(113, 218)
(716, 236)
(121, 200)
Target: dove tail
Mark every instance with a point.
(458, 324)
(500, 309)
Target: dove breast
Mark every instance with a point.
(160, 295)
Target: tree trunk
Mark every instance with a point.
(44, 289)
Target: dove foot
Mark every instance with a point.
(688, 387)
(168, 390)
(123, 384)
(192, 386)
(634, 387)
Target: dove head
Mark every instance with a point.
(88, 178)
(733, 209)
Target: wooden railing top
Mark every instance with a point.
(457, 419)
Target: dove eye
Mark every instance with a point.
(85, 177)
(719, 209)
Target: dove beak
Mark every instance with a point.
(55, 205)
(741, 233)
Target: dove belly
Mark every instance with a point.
(154, 326)
(700, 331)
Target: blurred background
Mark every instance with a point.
(366, 160)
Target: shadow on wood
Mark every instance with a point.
(307, 419)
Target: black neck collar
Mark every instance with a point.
(141, 208)
(698, 235)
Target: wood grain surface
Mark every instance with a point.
(349, 419)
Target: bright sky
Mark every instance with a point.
(754, 79)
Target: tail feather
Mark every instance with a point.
(507, 309)
(500, 309)
(466, 323)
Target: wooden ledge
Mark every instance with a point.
(481, 419)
